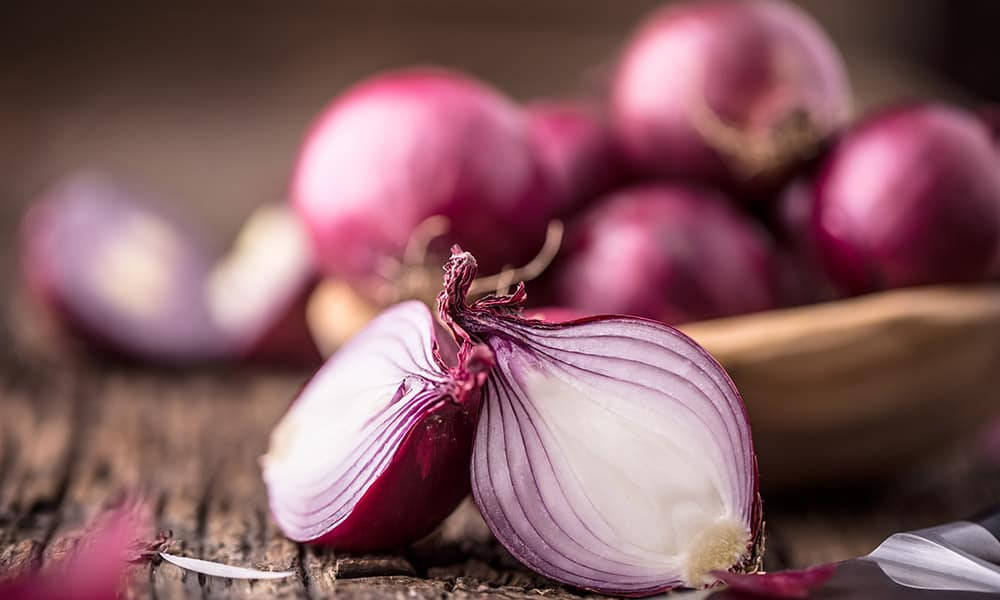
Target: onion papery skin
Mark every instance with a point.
(404, 146)
(123, 277)
(761, 71)
(529, 489)
(577, 150)
(910, 196)
(670, 252)
(403, 469)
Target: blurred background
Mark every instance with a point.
(204, 104)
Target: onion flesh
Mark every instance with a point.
(613, 453)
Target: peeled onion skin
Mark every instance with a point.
(730, 92)
(405, 146)
(910, 196)
(520, 344)
(670, 252)
(407, 468)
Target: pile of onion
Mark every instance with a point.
(728, 91)
(609, 453)
(670, 252)
(910, 196)
(407, 146)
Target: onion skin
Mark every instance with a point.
(780, 584)
(404, 146)
(730, 92)
(672, 253)
(577, 150)
(911, 196)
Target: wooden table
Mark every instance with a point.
(72, 437)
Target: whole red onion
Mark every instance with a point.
(728, 91)
(404, 146)
(669, 252)
(577, 150)
(910, 196)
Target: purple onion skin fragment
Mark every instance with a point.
(374, 452)
(734, 93)
(575, 417)
(669, 252)
(910, 196)
(780, 584)
(404, 146)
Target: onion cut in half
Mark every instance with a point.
(613, 453)
(374, 452)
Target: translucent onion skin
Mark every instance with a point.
(577, 149)
(910, 196)
(399, 465)
(670, 252)
(403, 146)
(530, 492)
(731, 92)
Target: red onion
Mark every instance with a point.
(374, 451)
(405, 146)
(668, 252)
(910, 196)
(136, 282)
(728, 90)
(576, 149)
(803, 277)
(613, 453)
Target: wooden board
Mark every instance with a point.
(72, 438)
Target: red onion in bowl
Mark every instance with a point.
(402, 147)
(577, 150)
(910, 196)
(728, 91)
(374, 451)
(613, 453)
(669, 252)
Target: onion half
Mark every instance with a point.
(613, 453)
(374, 451)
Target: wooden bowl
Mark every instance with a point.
(860, 387)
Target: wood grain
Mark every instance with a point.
(75, 438)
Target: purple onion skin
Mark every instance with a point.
(780, 584)
(910, 196)
(427, 478)
(761, 66)
(671, 253)
(577, 150)
(407, 145)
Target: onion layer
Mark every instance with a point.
(374, 451)
(612, 453)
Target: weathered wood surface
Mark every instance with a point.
(72, 438)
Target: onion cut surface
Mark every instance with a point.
(373, 452)
(613, 453)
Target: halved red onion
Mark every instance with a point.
(613, 453)
(374, 451)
